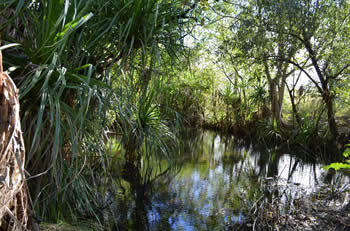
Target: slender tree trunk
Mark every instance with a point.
(330, 113)
(281, 94)
(326, 94)
(276, 95)
(294, 106)
(276, 99)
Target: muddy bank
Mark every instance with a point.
(326, 208)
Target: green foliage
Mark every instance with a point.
(337, 166)
(186, 93)
(346, 153)
(85, 67)
(137, 119)
(341, 166)
(259, 94)
(59, 102)
(145, 135)
(62, 68)
(229, 96)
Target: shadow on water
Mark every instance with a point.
(218, 186)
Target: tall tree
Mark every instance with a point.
(284, 35)
(322, 29)
(256, 39)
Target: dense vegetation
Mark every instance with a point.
(276, 71)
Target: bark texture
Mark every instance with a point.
(13, 193)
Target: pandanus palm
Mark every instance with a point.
(56, 88)
(62, 70)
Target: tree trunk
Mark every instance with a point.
(330, 113)
(294, 106)
(13, 193)
(276, 94)
(326, 94)
(281, 90)
(276, 99)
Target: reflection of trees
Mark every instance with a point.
(216, 200)
(273, 164)
(142, 181)
(207, 194)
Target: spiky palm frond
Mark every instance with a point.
(62, 68)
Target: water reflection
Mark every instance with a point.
(218, 185)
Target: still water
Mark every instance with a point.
(217, 184)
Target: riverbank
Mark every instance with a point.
(263, 132)
(324, 209)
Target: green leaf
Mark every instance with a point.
(346, 153)
(72, 26)
(337, 166)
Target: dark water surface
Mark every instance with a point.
(217, 185)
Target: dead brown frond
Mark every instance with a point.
(13, 195)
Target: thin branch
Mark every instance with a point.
(341, 71)
(227, 75)
(307, 74)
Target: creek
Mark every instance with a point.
(217, 184)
